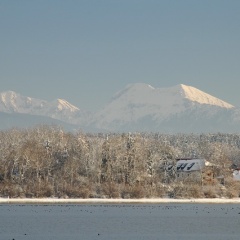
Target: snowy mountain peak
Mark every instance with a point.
(133, 89)
(139, 86)
(145, 93)
(8, 96)
(139, 102)
(62, 104)
(12, 102)
(196, 95)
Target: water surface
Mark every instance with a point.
(120, 221)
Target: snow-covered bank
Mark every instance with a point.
(112, 201)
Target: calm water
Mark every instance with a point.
(118, 221)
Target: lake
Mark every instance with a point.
(120, 221)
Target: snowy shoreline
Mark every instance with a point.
(116, 201)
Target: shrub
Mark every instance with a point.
(9, 190)
(210, 191)
(232, 188)
(137, 192)
(110, 190)
(195, 191)
(77, 192)
(45, 190)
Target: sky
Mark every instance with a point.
(85, 51)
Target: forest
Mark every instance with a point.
(46, 161)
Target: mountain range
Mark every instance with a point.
(138, 107)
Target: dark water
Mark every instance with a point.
(120, 221)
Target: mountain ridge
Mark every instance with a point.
(59, 109)
(138, 107)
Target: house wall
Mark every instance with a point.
(236, 175)
(194, 176)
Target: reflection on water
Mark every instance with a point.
(120, 221)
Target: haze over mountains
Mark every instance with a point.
(138, 107)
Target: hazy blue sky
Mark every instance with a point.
(85, 51)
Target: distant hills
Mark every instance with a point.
(138, 107)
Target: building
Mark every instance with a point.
(236, 174)
(194, 170)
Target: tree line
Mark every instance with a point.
(46, 161)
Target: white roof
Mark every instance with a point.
(188, 165)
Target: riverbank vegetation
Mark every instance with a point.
(45, 161)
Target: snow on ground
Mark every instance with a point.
(101, 200)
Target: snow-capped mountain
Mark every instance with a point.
(11, 102)
(143, 107)
(138, 107)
